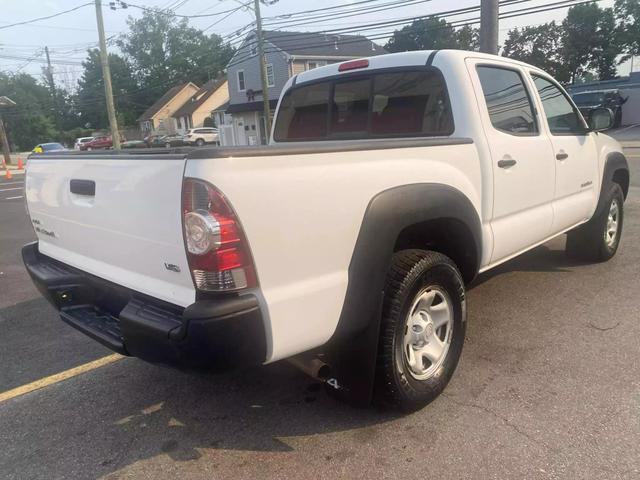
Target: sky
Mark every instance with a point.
(68, 36)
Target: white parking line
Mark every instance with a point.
(11, 183)
(7, 189)
(13, 198)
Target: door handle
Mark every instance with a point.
(510, 162)
(83, 187)
(562, 156)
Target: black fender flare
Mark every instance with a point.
(615, 162)
(352, 349)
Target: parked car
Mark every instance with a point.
(173, 141)
(103, 142)
(164, 141)
(153, 140)
(611, 99)
(80, 141)
(134, 144)
(200, 136)
(48, 147)
(398, 178)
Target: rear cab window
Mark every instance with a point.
(378, 104)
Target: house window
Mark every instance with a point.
(315, 64)
(253, 46)
(271, 81)
(179, 123)
(241, 85)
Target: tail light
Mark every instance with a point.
(217, 250)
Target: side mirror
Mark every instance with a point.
(600, 119)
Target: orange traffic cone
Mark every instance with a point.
(8, 174)
(20, 165)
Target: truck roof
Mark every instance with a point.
(405, 59)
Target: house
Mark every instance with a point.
(286, 54)
(157, 118)
(201, 105)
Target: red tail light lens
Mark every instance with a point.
(217, 250)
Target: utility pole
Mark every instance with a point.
(5, 144)
(5, 102)
(263, 71)
(489, 26)
(106, 75)
(52, 87)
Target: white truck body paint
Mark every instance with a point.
(302, 213)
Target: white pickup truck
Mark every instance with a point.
(345, 245)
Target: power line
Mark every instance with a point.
(2, 27)
(169, 12)
(455, 24)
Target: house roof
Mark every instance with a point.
(161, 102)
(250, 106)
(323, 45)
(200, 97)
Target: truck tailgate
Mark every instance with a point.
(116, 217)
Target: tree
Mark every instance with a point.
(432, 33)
(607, 46)
(31, 121)
(580, 38)
(540, 46)
(89, 101)
(164, 52)
(627, 12)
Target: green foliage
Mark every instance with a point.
(431, 34)
(580, 37)
(607, 46)
(540, 46)
(589, 41)
(165, 52)
(627, 13)
(89, 101)
(209, 122)
(30, 121)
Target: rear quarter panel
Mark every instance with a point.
(302, 214)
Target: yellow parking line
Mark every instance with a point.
(59, 377)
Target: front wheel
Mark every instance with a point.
(598, 239)
(422, 331)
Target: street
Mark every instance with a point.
(547, 387)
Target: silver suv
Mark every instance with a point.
(200, 136)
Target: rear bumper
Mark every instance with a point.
(219, 333)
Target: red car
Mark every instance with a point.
(103, 142)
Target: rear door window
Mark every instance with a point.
(508, 101)
(380, 105)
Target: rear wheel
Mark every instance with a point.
(167, 145)
(89, 149)
(598, 239)
(422, 331)
(199, 142)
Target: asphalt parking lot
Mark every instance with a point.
(548, 387)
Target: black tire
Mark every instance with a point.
(167, 145)
(199, 142)
(589, 241)
(413, 272)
